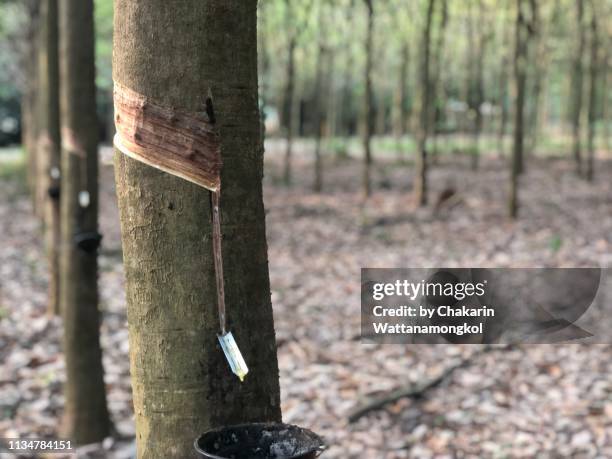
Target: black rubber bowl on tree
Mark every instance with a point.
(88, 241)
(259, 441)
(54, 192)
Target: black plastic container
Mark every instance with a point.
(259, 441)
(88, 241)
(54, 192)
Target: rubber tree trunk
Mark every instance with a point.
(504, 71)
(86, 418)
(368, 109)
(320, 119)
(49, 143)
(520, 81)
(605, 84)
(288, 107)
(437, 108)
(539, 67)
(320, 102)
(174, 53)
(479, 93)
(331, 107)
(420, 182)
(577, 87)
(400, 112)
(347, 112)
(593, 81)
(29, 99)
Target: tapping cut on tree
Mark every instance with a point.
(184, 144)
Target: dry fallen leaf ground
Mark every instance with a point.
(529, 401)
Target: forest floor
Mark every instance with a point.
(523, 402)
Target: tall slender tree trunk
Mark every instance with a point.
(476, 80)
(438, 97)
(605, 109)
(577, 87)
(320, 100)
(593, 77)
(503, 86)
(347, 106)
(49, 143)
(520, 81)
(86, 418)
(347, 113)
(399, 125)
(539, 66)
(319, 118)
(368, 109)
(29, 98)
(288, 107)
(420, 182)
(331, 124)
(177, 53)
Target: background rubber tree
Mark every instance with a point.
(29, 99)
(424, 99)
(368, 101)
(175, 53)
(320, 96)
(594, 63)
(295, 22)
(522, 34)
(577, 87)
(48, 144)
(504, 77)
(402, 24)
(438, 97)
(86, 418)
(479, 37)
(538, 68)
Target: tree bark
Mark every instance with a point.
(86, 418)
(520, 81)
(605, 109)
(288, 107)
(368, 109)
(577, 87)
(399, 125)
(49, 143)
(475, 83)
(437, 87)
(420, 182)
(29, 99)
(347, 112)
(593, 77)
(319, 120)
(503, 88)
(539, 66)
(319, 99)
(174, 53)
